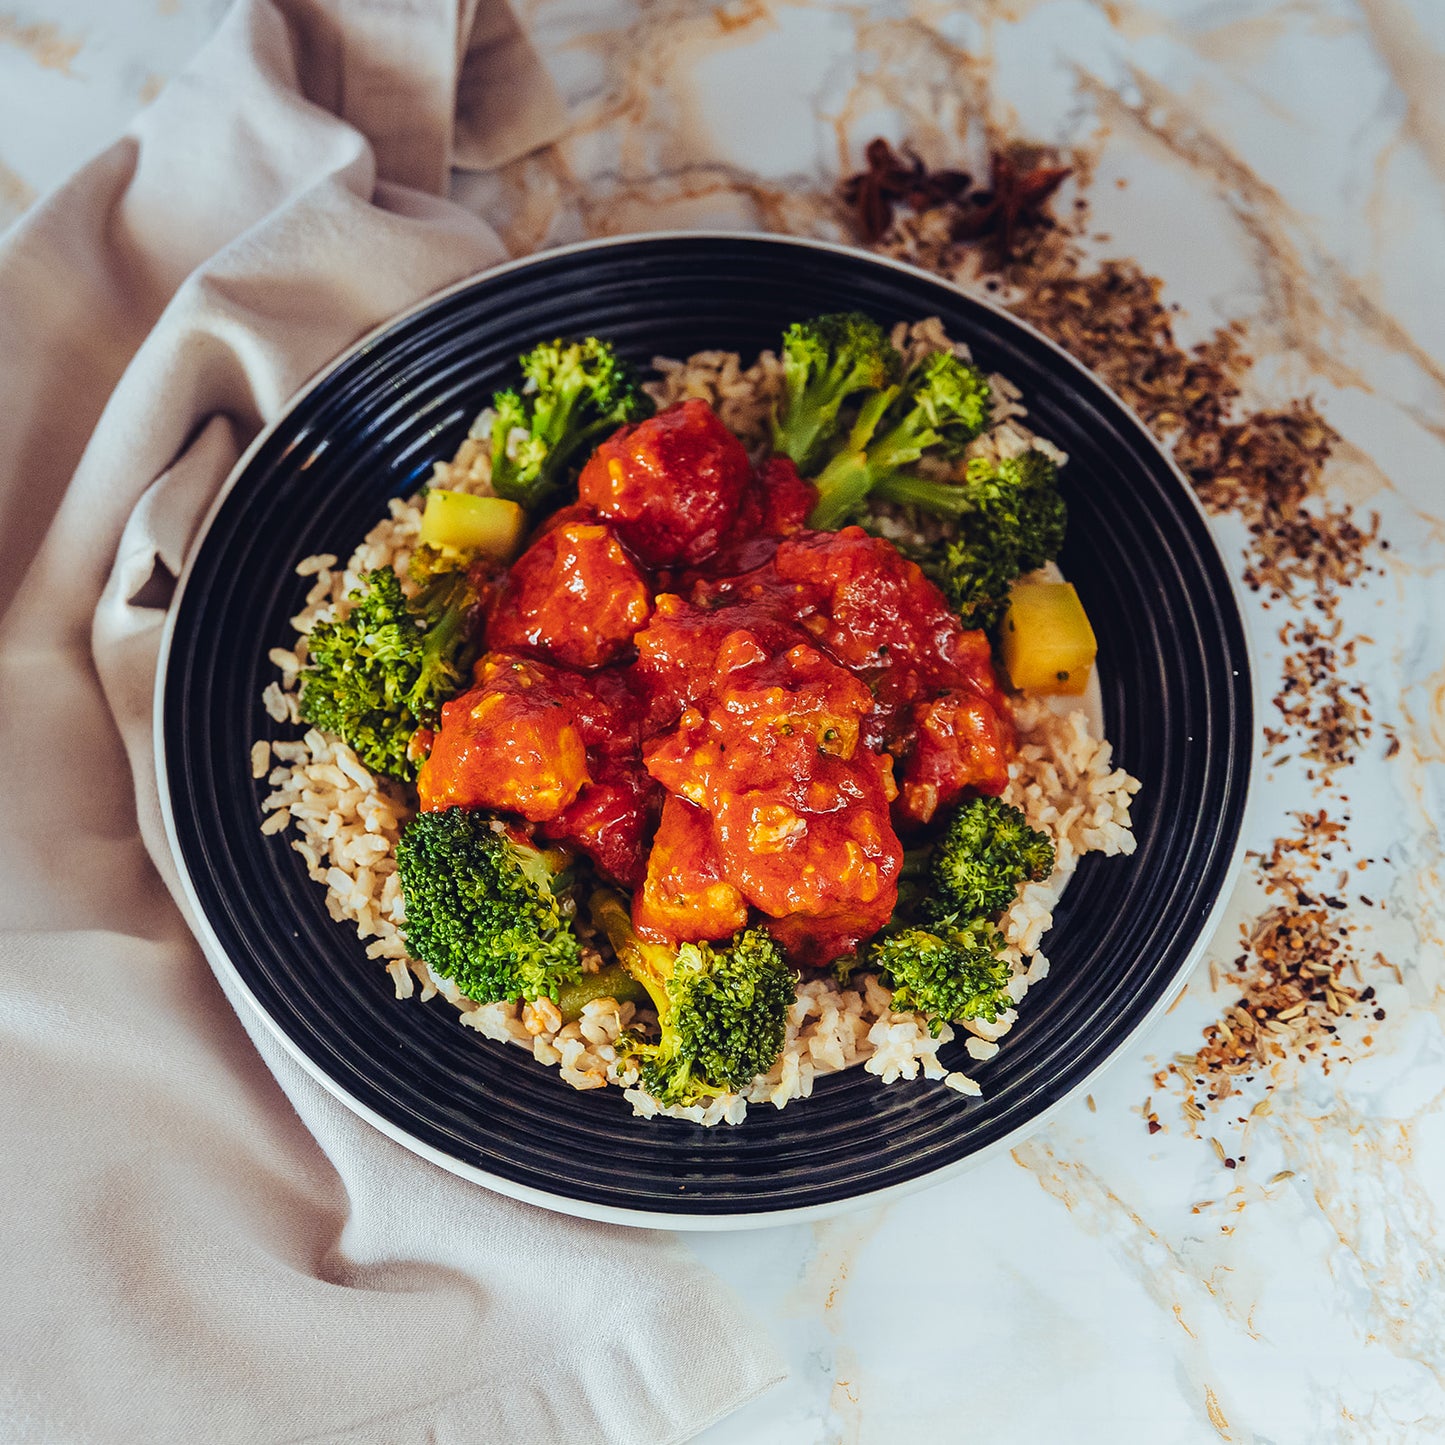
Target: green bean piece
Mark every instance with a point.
(614, 981)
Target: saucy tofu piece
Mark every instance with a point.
(685, 898)
(775, 504)
(574, 596)
(820, 848)
(509, 743)
(785, 497)
(874, 609)
(677, 650)
(957, 742)
(799, 812)
(860, 600)
(937, 705)
(767, 717)
(561, 748)
(671, 485)
(611, 818)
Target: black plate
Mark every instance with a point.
(1176, 699)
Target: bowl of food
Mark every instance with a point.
(705, 730)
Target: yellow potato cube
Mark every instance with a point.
(1047, 643)
(460, 522)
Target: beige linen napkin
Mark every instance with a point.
(200, 1246)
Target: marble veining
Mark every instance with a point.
(1279, 163)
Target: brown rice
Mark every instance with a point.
(345, 821)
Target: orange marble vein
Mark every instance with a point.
(42, 42)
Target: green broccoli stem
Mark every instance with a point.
(642, 960)
(553, 477)
(916, 861)
(842, 486)
(902, 446)
(554, 413)
(850, 476)
(826, 361)
(809, 422)
(911, 491)
(801, 439)
(614, 982)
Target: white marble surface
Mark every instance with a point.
(1278, 162)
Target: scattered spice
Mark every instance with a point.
(1292, 1002)
(1263, 466)
(1292, 993)
(1324, 715)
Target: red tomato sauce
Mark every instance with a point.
(732, 716)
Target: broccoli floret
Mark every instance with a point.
(940, 406)
(1042, 515)
(985, 852)
(722, 1008)
(1018, 525)
(575, 391)
(1011, 519)
(381, 672)
(952, 971)
(826, 361)
(946, 963)
(486, 910)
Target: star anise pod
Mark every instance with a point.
(891, 179)
(1014, 198)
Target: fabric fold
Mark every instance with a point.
(203, 1245)
(498, 123)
